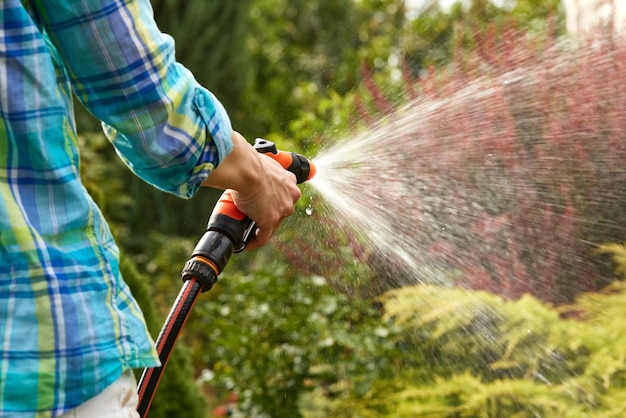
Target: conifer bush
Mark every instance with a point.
(466, 353)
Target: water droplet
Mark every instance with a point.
(309, 210)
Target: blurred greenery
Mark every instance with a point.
(292, 343)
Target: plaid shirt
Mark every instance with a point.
(69, 325)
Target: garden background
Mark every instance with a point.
(291, 339)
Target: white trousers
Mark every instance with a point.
(119, 400)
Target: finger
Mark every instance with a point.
(260, 239)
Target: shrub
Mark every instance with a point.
(508, 166)
(471, 353)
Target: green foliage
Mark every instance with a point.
(303, 49)
(434, 37)
(473, 354)
(297, 346)
(619, 256)
(210, 40)
(273, 337)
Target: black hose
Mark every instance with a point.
(165, 342)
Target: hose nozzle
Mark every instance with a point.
(229, 230)
(299, 165)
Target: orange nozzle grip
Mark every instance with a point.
(286, 160)
(303, 168)
(283, 158)
(226, 206)
(295, 163)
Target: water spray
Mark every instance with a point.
(229, 230)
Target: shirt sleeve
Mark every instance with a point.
(168, 129)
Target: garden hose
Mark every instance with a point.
(229, 230)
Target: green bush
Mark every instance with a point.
(475, 354)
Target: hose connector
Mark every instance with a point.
(202, 270)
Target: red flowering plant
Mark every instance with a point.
(505, 168)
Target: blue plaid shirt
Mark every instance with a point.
(69, 325)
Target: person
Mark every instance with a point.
(70, 329)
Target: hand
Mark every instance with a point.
(262, 188)
(270, 202)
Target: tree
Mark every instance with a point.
(436, 35)
(211, 39)
(303, 49)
